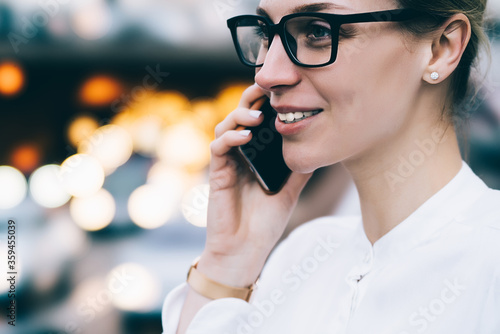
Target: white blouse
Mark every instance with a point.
(437, 272)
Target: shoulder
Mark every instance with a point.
(482, 224)
(485, 213)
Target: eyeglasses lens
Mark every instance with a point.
(308, 39)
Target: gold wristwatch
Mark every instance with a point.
(215, 290)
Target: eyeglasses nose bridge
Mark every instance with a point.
(282, 42)
(273, 30)
(278, 29)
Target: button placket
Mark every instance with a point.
(355, 278)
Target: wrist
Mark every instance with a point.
(234, 271)
(211, 289)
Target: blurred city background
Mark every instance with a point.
(107, 109)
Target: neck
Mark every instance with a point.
(396, 178)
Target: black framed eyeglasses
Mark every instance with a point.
(310, 39)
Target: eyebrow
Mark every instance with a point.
(315, 7)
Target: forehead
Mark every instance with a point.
(279, 8)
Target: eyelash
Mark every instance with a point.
(344, 32)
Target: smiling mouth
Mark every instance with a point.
(294, 117)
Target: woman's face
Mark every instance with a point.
(366, 96)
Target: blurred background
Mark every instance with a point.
(107, 109)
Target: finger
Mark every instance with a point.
(250, 96)
(239, 117)
(221, 146)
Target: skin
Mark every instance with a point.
(377, 99)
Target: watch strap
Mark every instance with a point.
(215, 290)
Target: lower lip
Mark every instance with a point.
(293, 128)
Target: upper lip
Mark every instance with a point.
(290, 109)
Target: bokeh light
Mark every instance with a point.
(195, 205)
(91, 290)
(111, 145)
(13, 187)
(46, 187)
(229, 98)
(100, 91)
(82, 175)
(25, 157)
(94, 212)
(170, 106)
(164, 175)
(206, 115)
(151, 206)
(92, 20)
(11, 78)
(184, 146)
(142, 290)
(81, 128)
(146, 132)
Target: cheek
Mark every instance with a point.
(377, 85)
(369, 97)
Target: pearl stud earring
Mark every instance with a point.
(434, 75)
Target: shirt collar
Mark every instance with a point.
(435, 213)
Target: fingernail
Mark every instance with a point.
(245, 133)
(255, 113)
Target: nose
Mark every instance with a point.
(278, 71)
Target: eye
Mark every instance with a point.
(319, 31)
(262, 31)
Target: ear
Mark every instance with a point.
(448, 47)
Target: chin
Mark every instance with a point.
(300, 162)
(304, 159)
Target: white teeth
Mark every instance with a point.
(293, 117)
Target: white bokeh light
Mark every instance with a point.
(46, 187)
(141, 291)
(195, 205)
(82, 175)
(92, 289)
(146, 132)
(92, 19)
(13, 187)
(111, 145)
(164, 175)
(95, 212)
(151, 206)
(184, 146)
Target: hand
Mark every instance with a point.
(244, 223)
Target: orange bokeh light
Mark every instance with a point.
(100, 91)
(25, 158)
(228, 99)
(11, 78)
(81, 128)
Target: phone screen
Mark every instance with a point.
(264, 153)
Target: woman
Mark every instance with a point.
(423, 257)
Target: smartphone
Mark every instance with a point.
(264, 153)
